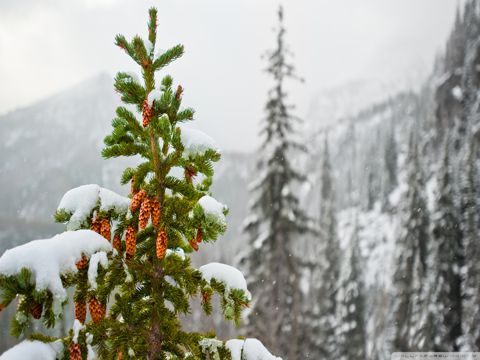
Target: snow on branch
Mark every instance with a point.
(196, 142)
(33, 350)
(249, 349)
(81, 201)
(214, 211)
(228, 275)
(48, 259)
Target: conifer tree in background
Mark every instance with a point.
(449, 261)
(470, 226)
(410, 259)
(390, 159)
(351, 338)
(321, 302)
(276, 220)
(126, 257)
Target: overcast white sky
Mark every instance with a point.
(47, 46)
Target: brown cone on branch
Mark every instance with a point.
(147, 113)
(199, 237)
(119, 355)
(156, 212)
(96, 225)
(193, 244)
(178, 93)
(131, 240)
(74, 351)
(162, 244)
(80, 311)
(132, 186)
(36, 310)
(117, 242)
(190, 173)
(82, 263)
(144, 215)
(105, 229)
(206, 296)
(197, 240)
(2, 307)
(97, 310)
(137, 200)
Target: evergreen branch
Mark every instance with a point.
(168, 56)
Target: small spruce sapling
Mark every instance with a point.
(126, 258)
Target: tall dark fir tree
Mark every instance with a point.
(277, 218)
(449, 261)
(411, 259)
(469, 209)
(350, 330)
(321, 303)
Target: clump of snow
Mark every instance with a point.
(77, 327)
(249, 349)
(457, 93)
(33, 350)
(48, 259)
(235, 346)
(110, 200)
(196, 142)
(81, 201)
(213, 209)
(178, 252)
(154, 95)
(91, 353)
(211, 346)
(230, 276)
(97, 258)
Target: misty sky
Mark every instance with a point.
(47, 46)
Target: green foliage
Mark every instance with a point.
(145, 293)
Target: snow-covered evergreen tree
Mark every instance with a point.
(470, 228)
(410, 258)
(350, 331)
(127, 258)
(449, 261)
(390, 162)
(320, 313)
(277, 219)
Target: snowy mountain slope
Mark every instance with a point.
(54, 145)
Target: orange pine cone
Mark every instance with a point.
(162, 244)
(206, 297)
(193, 243)
(117, 242)
(144, 215)
(97, 310)
(96, 225)
(137, 200)
(82, 263)
(36, 310)
(199, 237)
(178, 93)
(131, 240)
(156, 212)
(80, 311)
(147, 113)
(2, 307)
(132, 186)
(119, 355)
(75, 351)
(105, 229)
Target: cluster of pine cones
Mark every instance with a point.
(149, 209)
